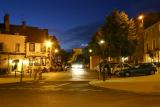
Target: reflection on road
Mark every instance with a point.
(78, 73)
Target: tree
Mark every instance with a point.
(116, 31)
(94, 44)
(65, 56)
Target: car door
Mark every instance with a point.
(139, 70)
(144, 69)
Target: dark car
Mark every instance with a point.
(142, 69)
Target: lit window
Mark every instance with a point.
(31, 61)
(31, 47)
(37, 61)
(17, 47)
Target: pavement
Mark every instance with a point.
(141, 84)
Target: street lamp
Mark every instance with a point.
(90, 50)
(102, 43)
(141, 18)
(56, 51)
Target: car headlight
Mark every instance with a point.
(77, 66)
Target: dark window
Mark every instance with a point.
(154, 44)
(31, 47)
(147, 47)
(1, 46)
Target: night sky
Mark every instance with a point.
(72, 21)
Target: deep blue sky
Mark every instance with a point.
(73, 21)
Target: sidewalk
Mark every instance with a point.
(50, 76)
(140, 84)
(10, 78)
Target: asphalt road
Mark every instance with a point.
(71, 93)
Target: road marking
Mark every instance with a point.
(62, 85)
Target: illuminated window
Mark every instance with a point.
(17, 47)
(31, 47)
(37, 61)
(31, 61)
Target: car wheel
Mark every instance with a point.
(127, 74)
(152, 72)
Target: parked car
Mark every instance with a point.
(142, 69)
(120, 67)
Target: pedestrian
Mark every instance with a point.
(40, 73)
(35, 73)
(106, 69)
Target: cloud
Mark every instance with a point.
(79, 35)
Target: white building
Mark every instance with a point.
(12, 51)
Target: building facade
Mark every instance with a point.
(12, 51)
(152, 43)
(37, 55)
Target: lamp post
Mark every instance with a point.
(102, 43)
(141, 18)
(140, 37)
(90, 58)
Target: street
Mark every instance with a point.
(70, 91)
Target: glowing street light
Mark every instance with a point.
(102, 42)
(56, 51)
(141, 18)
(90, 50)
(48, 44)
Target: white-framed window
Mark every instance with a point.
(32, 47)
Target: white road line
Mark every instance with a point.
(61, 85)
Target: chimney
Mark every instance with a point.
(6, 23)
(24, 24)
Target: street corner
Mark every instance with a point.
(129, 85)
